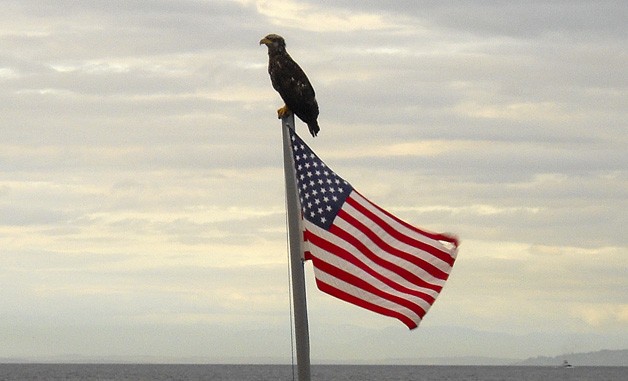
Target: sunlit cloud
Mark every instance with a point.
(515, 111)
(92, 67)
(8, 73)
(480, 210)
(602, 315)
(309, 17)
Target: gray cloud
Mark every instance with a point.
(514, 19)
(141, 183)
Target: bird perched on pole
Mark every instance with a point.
(291, 83)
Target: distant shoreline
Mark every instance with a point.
(603, 358)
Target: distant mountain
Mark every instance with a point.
(428, 345)
(599, 358)
(451, 361)
(448, 345)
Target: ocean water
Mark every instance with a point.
(120, 372)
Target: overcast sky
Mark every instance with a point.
(141, 183)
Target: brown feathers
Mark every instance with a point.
(291, 83)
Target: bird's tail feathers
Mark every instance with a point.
(313, 127)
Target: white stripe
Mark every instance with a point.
(401, 228)
(410, 267)
(336, 261)
(366, 296)
(316, 251)
(417, 253)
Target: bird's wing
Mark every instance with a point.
(291, 82)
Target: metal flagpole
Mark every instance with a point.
(301, 331)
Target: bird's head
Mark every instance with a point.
(274, 42)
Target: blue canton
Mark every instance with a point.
(321, 191)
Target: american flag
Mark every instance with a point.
(363, 254)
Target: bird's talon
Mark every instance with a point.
(283, 112)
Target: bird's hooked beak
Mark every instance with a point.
(265, 41)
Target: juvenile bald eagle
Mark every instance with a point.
(291, 83)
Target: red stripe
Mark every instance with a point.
(364, 304)
(307, 255)
(352, 240)
(361, 247)
(360, 283)
(440, 254)
(435, 236)
(347, 256)
(377, 240)
(363, 285)
(443, 256)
